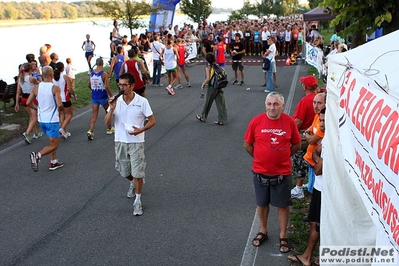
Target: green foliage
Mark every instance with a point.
(127, 11)
(197, 10)
(365, 16)
(314, 3)
(10, 12)
(46, 10)
(70, 12)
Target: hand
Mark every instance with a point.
(136, 131)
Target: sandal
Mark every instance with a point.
(219, 123)
(200, 118)
(295, 258)
(284, 245)
(263, 238)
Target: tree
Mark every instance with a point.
(197, 10)
(314, 3)
(364, 16)
(46, 14)
(10, 12)
(70, 12)
(127, 11)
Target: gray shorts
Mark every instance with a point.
(130, 159)
(277, 196)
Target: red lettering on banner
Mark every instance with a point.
(394, 219)
(386, 142)
(377, 193)
(378, 125)
(356, 111)
(395, 234)
(389, 213)
(365, 121)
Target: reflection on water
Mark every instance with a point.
(66, 40)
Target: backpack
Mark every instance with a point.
(219, 78)
(266, 64)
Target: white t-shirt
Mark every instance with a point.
(156, 48)
(272, 49)
(265, 35)
(128, 115)
(70, 71)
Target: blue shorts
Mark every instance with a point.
(222, 64)
(51, 129)
(100, 101)
(87, 54)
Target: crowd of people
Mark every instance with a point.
(47, 88)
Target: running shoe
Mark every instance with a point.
(241, 83)
(110, 130)
(137, 208)
(170, 90)
(131, 193)
(34, 161)
(69, 134)
(55, 166)
(297, 193)
(188, 84)
(236, 82)
(90, 134)
(39, 135)
(26, 138)
(63, 133)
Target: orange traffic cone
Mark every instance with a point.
(288, 61)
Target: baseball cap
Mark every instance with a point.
(309, 81)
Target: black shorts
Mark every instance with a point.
(67, 104)
(277, 196)
(314, 208)
(140, 91)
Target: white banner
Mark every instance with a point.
(314, 57)
(192, 50)
(369, 141)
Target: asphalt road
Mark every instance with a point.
(198, 198)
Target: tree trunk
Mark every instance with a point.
(358, 38)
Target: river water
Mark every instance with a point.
(66, 40)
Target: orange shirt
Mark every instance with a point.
(295, 35)
(315, 128)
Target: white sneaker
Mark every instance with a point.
(131, 193)
(297, 193)
(63, 133)
(137, 208)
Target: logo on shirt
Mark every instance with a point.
(278, 132)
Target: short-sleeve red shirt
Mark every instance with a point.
(272, 140)
(304, 111)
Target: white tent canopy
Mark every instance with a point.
(360, 196)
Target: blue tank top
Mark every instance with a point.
(98, 91)
(118, 65)
(256, 36)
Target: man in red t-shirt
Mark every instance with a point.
(271, 139)
(303, 116)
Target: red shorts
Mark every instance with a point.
(23, 101)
